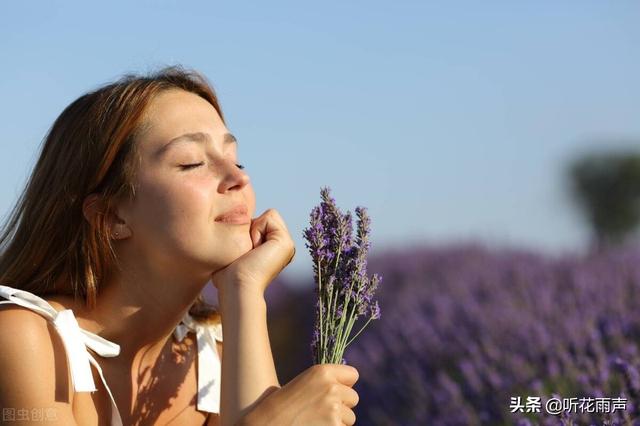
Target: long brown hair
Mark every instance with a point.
(46, 245)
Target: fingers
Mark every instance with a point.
(350, 397)
(345, 374)
(269, 225)
(348, 416)
(255, 233)
(262, 227)
(293, 254)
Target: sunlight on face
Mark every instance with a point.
(184, 185)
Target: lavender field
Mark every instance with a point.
(466, 328)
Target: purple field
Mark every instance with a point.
(465, 328)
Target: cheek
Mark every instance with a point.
(189, 206)
(250, 198)
(173, 209)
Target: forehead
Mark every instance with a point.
(174, 112)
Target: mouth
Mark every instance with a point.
(235, 220)
(238, 215)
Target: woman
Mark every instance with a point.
(135, 203)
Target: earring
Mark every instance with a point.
(115, 234)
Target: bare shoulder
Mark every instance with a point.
(34, 374)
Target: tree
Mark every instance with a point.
(607, 188)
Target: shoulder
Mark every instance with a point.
(21, 326)
(34, 370)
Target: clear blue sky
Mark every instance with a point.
(449, 120)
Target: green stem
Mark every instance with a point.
(354, 337)
(331, 309)
(320, 314)
(344, 315)
(350, 323)
(348, 330)
(335, 266)
(329, 317)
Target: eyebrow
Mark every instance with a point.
(198, 137)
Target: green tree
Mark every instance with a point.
(607, 188)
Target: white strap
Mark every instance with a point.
(209, 366)
(75, 339)
(116, 420)
(67, 326)
(28, 300)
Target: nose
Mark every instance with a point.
(233, 178)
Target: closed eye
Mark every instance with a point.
(190, 166)
(193, 166)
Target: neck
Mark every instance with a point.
(140, 310)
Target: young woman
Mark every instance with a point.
(136, 202)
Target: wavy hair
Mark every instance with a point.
(46, 245)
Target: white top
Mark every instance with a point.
(77, 341)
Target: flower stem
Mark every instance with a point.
(351, 319)
(344, 315)
(320, 313)
(353, 338)
(330, 318)
(333, 308)
(348, 330)
(329, 322)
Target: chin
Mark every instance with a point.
(235, 249)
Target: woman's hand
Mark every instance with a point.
(273, 249)
(322, 395)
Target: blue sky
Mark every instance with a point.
(449, 120)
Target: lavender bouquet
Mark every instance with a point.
(344, 290)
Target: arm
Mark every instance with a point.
(34, 372)
(248, 371)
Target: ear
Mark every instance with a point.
(93, 206)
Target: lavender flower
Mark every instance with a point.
(500, 323)
(344, 291)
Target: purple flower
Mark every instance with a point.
(375, 311)
(344, 290)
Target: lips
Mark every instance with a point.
(238, 214)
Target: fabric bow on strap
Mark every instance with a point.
(209, 366)
(75, 340)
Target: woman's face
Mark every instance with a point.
(172, 216)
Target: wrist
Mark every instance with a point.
(232, 298)
(264, 412)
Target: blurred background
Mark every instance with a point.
(496, 146)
